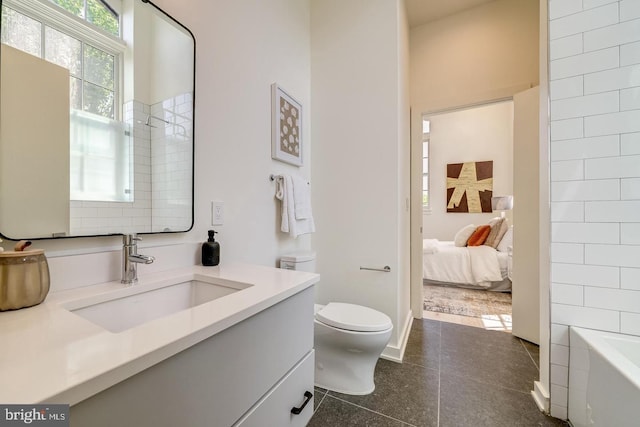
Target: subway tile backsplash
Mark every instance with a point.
(595, 221)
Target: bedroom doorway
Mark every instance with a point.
(501, 131)
(475, 133)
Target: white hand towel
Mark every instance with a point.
(301, 197)
(291, 225)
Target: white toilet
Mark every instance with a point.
(348, 338)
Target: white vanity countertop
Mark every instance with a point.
(50, 355)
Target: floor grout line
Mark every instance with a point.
(491, 384)
(530, 355)
(370, 410)
(320, 403)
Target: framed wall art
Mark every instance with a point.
(469, 187)
(286, 127)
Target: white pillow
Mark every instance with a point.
(494, 221)
(507, 240)
(463, 235)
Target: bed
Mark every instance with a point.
(477, 267)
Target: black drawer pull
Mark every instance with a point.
(307, 398)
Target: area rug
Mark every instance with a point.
(466, 302)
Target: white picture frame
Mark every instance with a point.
(286, 127)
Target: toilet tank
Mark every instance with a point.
(302, 261)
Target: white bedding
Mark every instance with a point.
(476, 266)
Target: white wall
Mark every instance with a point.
(470, 135)
(232, 139)
(358, 65)
(404, 167)
(595, 178)
(484, 53)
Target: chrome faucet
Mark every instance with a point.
(131, 257)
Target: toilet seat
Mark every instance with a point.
(353, 317)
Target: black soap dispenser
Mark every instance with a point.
(211, 250)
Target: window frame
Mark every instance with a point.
(426, 139)
(51, 15)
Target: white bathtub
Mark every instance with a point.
(604, 378)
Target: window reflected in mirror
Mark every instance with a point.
(128, 133)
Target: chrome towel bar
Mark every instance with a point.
(385, 269)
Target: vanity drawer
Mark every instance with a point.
(274, 409)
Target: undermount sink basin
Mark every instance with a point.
(131, 306)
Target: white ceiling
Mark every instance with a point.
(423, 11)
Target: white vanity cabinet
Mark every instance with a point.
(250, 374)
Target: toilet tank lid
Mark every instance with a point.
(299, 256)
(353, 317)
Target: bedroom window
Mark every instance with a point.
(425, 165)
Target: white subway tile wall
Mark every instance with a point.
(567, 88)
(595, 174)
(571, 253)
(171, 155)
(89, 218)
(560, 375)
(567, 211)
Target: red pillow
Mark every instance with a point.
(479, 236)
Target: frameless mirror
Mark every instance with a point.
(96, 119)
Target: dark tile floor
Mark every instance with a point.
(452, 375)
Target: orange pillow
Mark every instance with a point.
(479, 236)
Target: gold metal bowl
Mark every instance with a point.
(24, 279)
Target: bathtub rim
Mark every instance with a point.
(596, 342)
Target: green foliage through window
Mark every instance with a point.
(98, 12)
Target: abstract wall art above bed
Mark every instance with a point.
(469, 187)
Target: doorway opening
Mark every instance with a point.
(464, 284)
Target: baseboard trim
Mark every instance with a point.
(396, 353)
(541, 396)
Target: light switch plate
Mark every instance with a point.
(217, 212)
